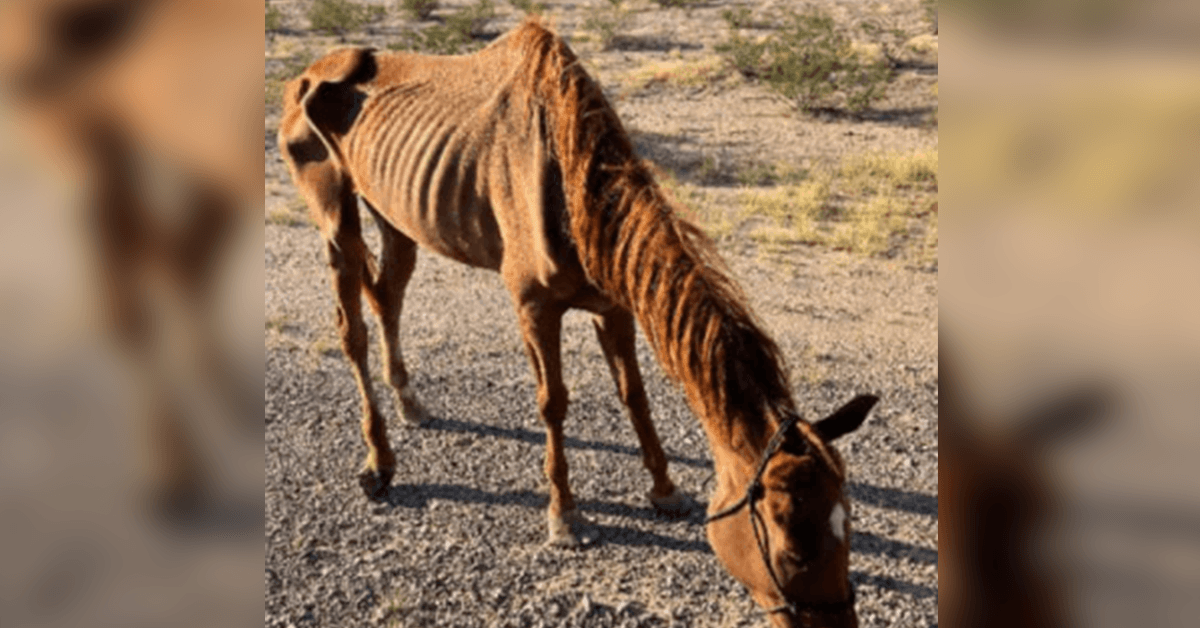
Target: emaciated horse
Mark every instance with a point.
(512, 159)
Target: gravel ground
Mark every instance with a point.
(460, 540)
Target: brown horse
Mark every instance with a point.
(512, 159)
(147, 106)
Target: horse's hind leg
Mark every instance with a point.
(348, 259)
(616, 332)
(385, 293)
(541, 327)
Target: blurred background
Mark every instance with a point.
(131, 279)
(1070, 343)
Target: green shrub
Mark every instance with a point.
(737, 19)
(529, 6)
(605, 21)
(274, 19)
(338, 17)
(810, 62)
(456, 35)
(419, 9)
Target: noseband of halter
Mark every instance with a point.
(754, 492)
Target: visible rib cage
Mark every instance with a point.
(422, 165)
(640, 253)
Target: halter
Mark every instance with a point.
(754, 492)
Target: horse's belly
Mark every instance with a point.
(466, 233)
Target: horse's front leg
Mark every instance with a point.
(541, 327)
(616, 332)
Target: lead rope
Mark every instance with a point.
(754, 491)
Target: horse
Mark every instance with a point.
(512, 159)
(122, 98)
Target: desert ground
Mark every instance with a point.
(852, 301)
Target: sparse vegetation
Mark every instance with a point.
(737, 18)
(338, 17)
(457, 35)
(285, 217)
(419, 9)
(274, 19)
(606, 20)
(808, 61)
(677, 73)
(873, 204)
(529, 7)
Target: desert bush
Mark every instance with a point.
(419, 9)
(274, 19)
(606, 20)
(529, 7)
(809, 61)
(455, 36)
(737, 18)
(338, 17)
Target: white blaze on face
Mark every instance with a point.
(837, 522)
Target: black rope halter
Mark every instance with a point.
(754, 492)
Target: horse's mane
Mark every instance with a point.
(636, 249)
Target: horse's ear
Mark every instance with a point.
(845, 419)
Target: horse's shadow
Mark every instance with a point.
(539, 438)
(419, 496)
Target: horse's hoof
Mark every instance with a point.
(568, 530)
(675, 504)
(375, 483)
(412, 413)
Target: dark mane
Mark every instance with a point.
(636, 249)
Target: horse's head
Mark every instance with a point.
(781, 525)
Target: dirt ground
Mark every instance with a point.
(460, 540)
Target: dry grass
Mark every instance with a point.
(679, 73)
(287, 216)
(693, 204)
(875, 204)
(871, 227)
